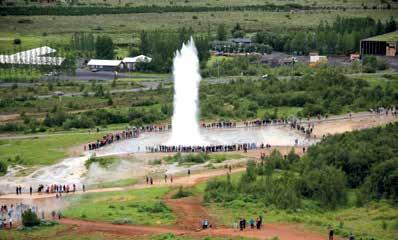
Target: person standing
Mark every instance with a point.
(251, 223)
(17, 190)
(30, 190)
(189, 172)
(331, 234)
(84, 188)
(241, 224)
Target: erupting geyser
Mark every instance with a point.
(185, 126)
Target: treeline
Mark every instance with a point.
(340, 37)
(93, 10)
(364, 161)
(161, 47)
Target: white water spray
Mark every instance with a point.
(185, 126)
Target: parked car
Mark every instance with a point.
(58, 93)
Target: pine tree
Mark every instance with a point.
(391, 25)
(221, 32)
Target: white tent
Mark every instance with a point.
(36, 56)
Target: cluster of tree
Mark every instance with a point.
(340, 37)
(104, 48)
(368, 158)
(231, 47)
(235, 66)
(364, 160)
(61, 10)
(90, 119)
(161, 47)
(242, 99)
(87, 45)
(83, 43)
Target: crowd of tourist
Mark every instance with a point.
(385, 110)
(113, 137)
(305, 128)
(53, 188)
(207, 149)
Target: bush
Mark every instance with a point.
(30, 219)
(3, 167)
(158, 207)
(122, 221)
(325, 184)
(182, 193)
(17, 41)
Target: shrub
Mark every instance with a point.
(158, 207)
(3, 167)
(182, 193)
(30, 219)
(17, 41)
(122, 221)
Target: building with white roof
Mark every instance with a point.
(105, 65)
(130, 62)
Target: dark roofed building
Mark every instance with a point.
(242, 41)
(385, 45)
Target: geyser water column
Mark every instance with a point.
(185, 126)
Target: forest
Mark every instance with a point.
(362, 161)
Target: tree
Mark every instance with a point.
(379, 28)
(144, 43)
(17, 41)
(383, 180)
(369, 64)
(104, 48)
(237, 31)
(3, 167)
(221, 32)
(391, 25)
(29, 218)
(325, 184)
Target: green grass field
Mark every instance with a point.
(43, 150)
(142, 207)
(125, 28)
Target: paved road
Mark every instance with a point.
(83, 74)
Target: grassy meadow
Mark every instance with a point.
(142, 207)
(44, 150)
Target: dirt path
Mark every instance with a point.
(283, 231)
(185, 181)
(189, 212)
